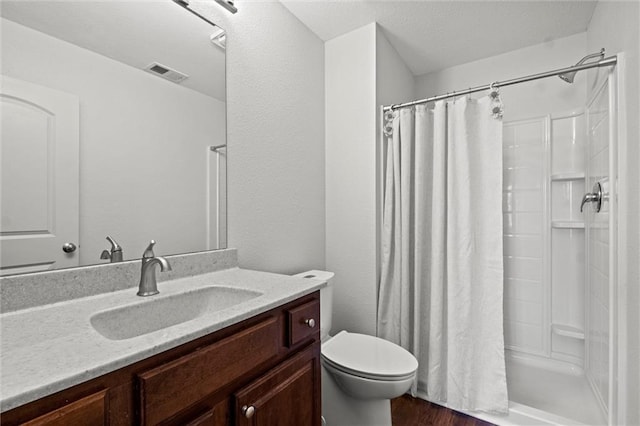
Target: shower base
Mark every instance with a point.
(546, 392)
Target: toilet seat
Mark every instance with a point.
(368, 357)
(364, 375)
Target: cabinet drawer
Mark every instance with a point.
(167, 389)
(304, 321)
(90, 411)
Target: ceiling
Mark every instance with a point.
(136, 33)
(433, 35)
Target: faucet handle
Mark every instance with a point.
(114, 245)
(105, 254)
(148, 253)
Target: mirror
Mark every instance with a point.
(113, 124)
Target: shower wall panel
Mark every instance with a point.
(567, 237)
(525, 145)
(544, 236)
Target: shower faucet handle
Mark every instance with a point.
(593, 197)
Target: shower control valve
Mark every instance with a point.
(593, 197)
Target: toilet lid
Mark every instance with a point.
(368, 356)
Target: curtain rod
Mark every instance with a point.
(606, 62)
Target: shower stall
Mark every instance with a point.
(559, 245)
(559, 273)
(557, 262)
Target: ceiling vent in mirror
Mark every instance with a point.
(166, 72)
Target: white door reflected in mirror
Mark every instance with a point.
(39, 183)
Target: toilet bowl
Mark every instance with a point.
(360, 373)
(367, 367)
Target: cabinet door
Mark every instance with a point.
(288, 395)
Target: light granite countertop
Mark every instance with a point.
(48, 348)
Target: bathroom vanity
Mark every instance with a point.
(261, 369)
(256, 362)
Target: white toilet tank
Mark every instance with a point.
(326, 298)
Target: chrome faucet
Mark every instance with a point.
(148, 285)
(115, 254)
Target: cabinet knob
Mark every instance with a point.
(248, 410)
(310, 322)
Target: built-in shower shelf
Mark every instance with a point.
(567, 176)
(567, 224)
(567, 331)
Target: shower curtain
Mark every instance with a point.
(441, 285)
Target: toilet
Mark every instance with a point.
(360, 373)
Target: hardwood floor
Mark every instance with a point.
(408, 411)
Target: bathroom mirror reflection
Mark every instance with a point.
(110, 111)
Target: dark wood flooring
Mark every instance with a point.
(408, 411)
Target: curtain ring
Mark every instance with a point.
(497, 107)
(388, 116)
(495, 91)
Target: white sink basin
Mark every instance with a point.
(157, 312)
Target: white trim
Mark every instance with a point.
(381, 162)
(603, 400)
(547, 309)
(613, 248)
(621, 267)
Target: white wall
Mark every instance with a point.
(275, 121)
(614, 26)
(394, 84)
(363, 72)
(350, 72)
(394, 81)
(152, 145)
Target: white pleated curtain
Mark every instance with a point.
(441, 286)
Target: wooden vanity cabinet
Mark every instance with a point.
(262, 371)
